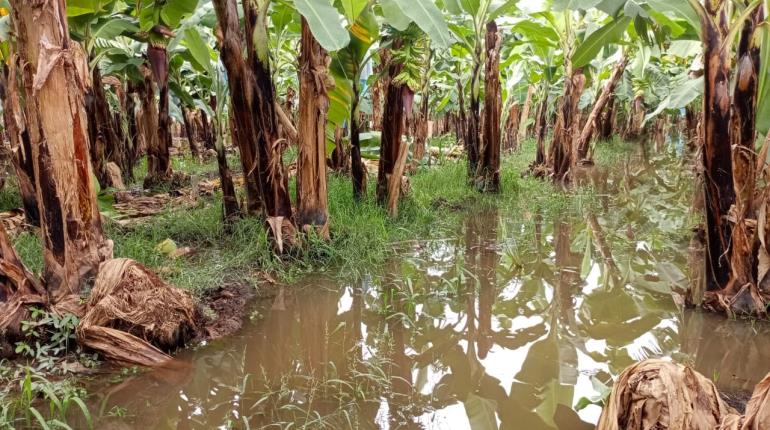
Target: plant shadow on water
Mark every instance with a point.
(518, 321)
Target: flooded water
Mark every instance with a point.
(518, 321)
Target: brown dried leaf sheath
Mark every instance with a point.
(132, 313)
(656, 394)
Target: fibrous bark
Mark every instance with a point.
(106, 145)
(148, 120)
(159, 159)
(398, 98)
(607, 120)
(190, 132)
(422, 117)
(53, 80)
(538, 166)
(18, 135)
(560, 157)
(489, 156)
(230, 203)
(231, 46)
(717, 158)
(357, 168)
(584, 141)
(511, 136)
(473, 125)
(272, 173)
(523, 126)
(462, 123)
(312, 210)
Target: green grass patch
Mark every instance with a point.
(363, 236)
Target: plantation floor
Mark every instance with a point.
(464, 312)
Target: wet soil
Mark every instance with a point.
(222, 311)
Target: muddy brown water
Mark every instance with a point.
(518, 321)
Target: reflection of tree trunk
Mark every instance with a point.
(604, 247)
(584, 141)
(401, 365)
(21, 147)
(488, 262)
(312, 211)
(489, 153)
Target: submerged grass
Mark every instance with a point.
(362, 235)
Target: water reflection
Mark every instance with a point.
(508, 325)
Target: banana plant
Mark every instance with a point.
(469, 29)
(158, 19)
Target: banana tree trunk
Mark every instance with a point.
(636, 118)
(541, 116)
(489, 162)
(461, 123)
(584, 141)
(560, 158)
(357, 168)
(421, 127)
(190, 132)
(473, 128)
(159, 170)
(398, 99)
(21, 147)
(608, 120)
(132, 133)
(691, 127)
(377, 90)
(272, 173)
(148, 119)
(717, 158)
(743, 258)
(106, 145)
(240, 86)
(512, 125)
(231, 207)
(312, 208)
(70, 223)
(523, 127)
(208, 136)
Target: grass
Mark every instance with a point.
(363, 236)
(9, 195)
